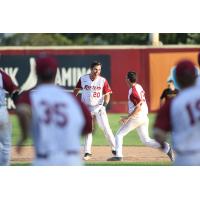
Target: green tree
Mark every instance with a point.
(108, 38)
(35, 39)
(50, 39)
(180, 38)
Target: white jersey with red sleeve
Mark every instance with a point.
(136, 94)
(93, 91)
(182, 116)
(6, 84)
(58, 119)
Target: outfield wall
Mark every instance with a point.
(152, 65)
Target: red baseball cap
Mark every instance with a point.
(185, 68)
(185, 73)
(46, 66)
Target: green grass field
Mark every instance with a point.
(99, 138)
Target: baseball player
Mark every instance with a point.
(137, 119)
(181, 116)
(6, 85)
(198, 78)
(56, 118)
(96, 95)
(172, 75)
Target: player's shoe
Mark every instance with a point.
(87, 156)
(171, 154)
(114, 152)
(115, 159)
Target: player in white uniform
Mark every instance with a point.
(137, 119)
(181, 117)
(6, 85)
(56, 118)
(96, 95)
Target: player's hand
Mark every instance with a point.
(124, 119)
(102, 109)
(105, 105)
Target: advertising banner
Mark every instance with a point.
(21, 69)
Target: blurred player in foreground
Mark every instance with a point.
(6, 85)
(198, 78)
(56, 118)
(172, 75)
(181, 116)
(96, 95)
(169, 92)
(136, 119)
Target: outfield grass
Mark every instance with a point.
(99, 138)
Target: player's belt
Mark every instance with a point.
(69, 152)
(190, 152)
(93, 105)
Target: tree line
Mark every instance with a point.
(60, 39)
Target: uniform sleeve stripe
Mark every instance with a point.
(134, 97)
(106, 88)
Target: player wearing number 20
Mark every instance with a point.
(56, 118)
(181, 117)
(96, 95)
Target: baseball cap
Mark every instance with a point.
(46, 67)
(185, 68)
(185, 72)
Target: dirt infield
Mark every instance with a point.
(102, 153)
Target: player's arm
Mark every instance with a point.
(77, 88)
(76, 91)
(137, 109)
(106, 91)
(10, 87)
(137, 101)
(88, 120)
(163, 98)
(106, 99)
(162, 102)
(162, 124)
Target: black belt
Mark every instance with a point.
(45, 156)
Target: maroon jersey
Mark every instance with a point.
(6, 85)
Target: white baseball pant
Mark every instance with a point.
(141, 125)
(5, 136)
(102, 120)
